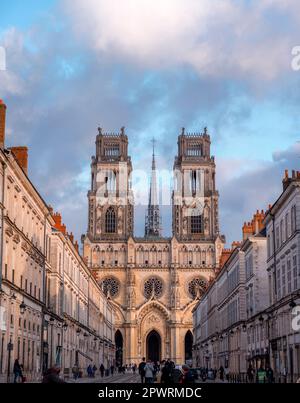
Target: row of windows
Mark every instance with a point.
(283, 231)
(28, 287)
(287, 277)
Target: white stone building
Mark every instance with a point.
(52, 311)
(224, 316)
(283, 265)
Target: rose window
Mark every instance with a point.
(196, 287)
(110, 286)
(153, 287)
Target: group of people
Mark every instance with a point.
(91, 370)
(164, 372)
(127, 368)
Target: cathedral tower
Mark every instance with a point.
(110, 197)
(195, 199)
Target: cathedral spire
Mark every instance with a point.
(153, 219)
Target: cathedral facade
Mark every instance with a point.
(153, 282)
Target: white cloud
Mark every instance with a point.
(216, 37)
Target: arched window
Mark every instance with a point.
(110, 221)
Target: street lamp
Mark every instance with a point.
(292, 304)
(22, 308)
(65, 326)
(244, 327)
(261, 319)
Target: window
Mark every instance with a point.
(281, 232)
(283, 280)
(295, 274)
(13, 276)
(278, 283)
(110, 221)
(26, 282)
(196, 224)
(21, 281)
(293, 219)
(289, 276)
(277, 237)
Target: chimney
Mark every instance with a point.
(21, 155)
(58, 224)
(287, 180)
(2, 123)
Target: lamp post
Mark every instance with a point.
(51, 342)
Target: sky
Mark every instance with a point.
(154, 67)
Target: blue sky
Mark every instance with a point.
(154, 67)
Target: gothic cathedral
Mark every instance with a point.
(153, 282)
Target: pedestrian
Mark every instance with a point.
(52, 376)
(94, 370)
(134, 368)
(166, 372)
(142, 369)
(102, 369)
(221, 371)
(17, 371)
(261, 375)
(187, 376)
(75, 371)
(269, 374)
(149, 372)
(250, 373)
(112, 368)
(89, 371)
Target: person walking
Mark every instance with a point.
(149, 372)
(250, 374)
(102, 369)
(187, 376)
(112, 369)
(221, 372)
(17, 370)
(94, 370)
(269, 374)
(142, 369)
(75, 371)
(261, 375)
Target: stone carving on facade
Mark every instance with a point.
(153, 319)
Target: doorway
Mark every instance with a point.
(153, 345)
(188, 345)
(119, 349)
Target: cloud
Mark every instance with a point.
(215, 37)
(257, 187)
(154, 71)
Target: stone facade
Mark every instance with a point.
(227, 328)
(52, 310)
(283, 236)
(153, 282)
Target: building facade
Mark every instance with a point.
(52, 311)
(153, 282)
(283, 237)
(227, 325)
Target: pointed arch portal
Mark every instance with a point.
(188, 344)
(119, 348)
(153, 345)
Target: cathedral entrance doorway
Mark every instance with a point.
(119, 348)
(153, 345)
(188, 345)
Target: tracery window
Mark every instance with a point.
(110, 221)
(110, 285)
(194, 285)
(153, 286)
